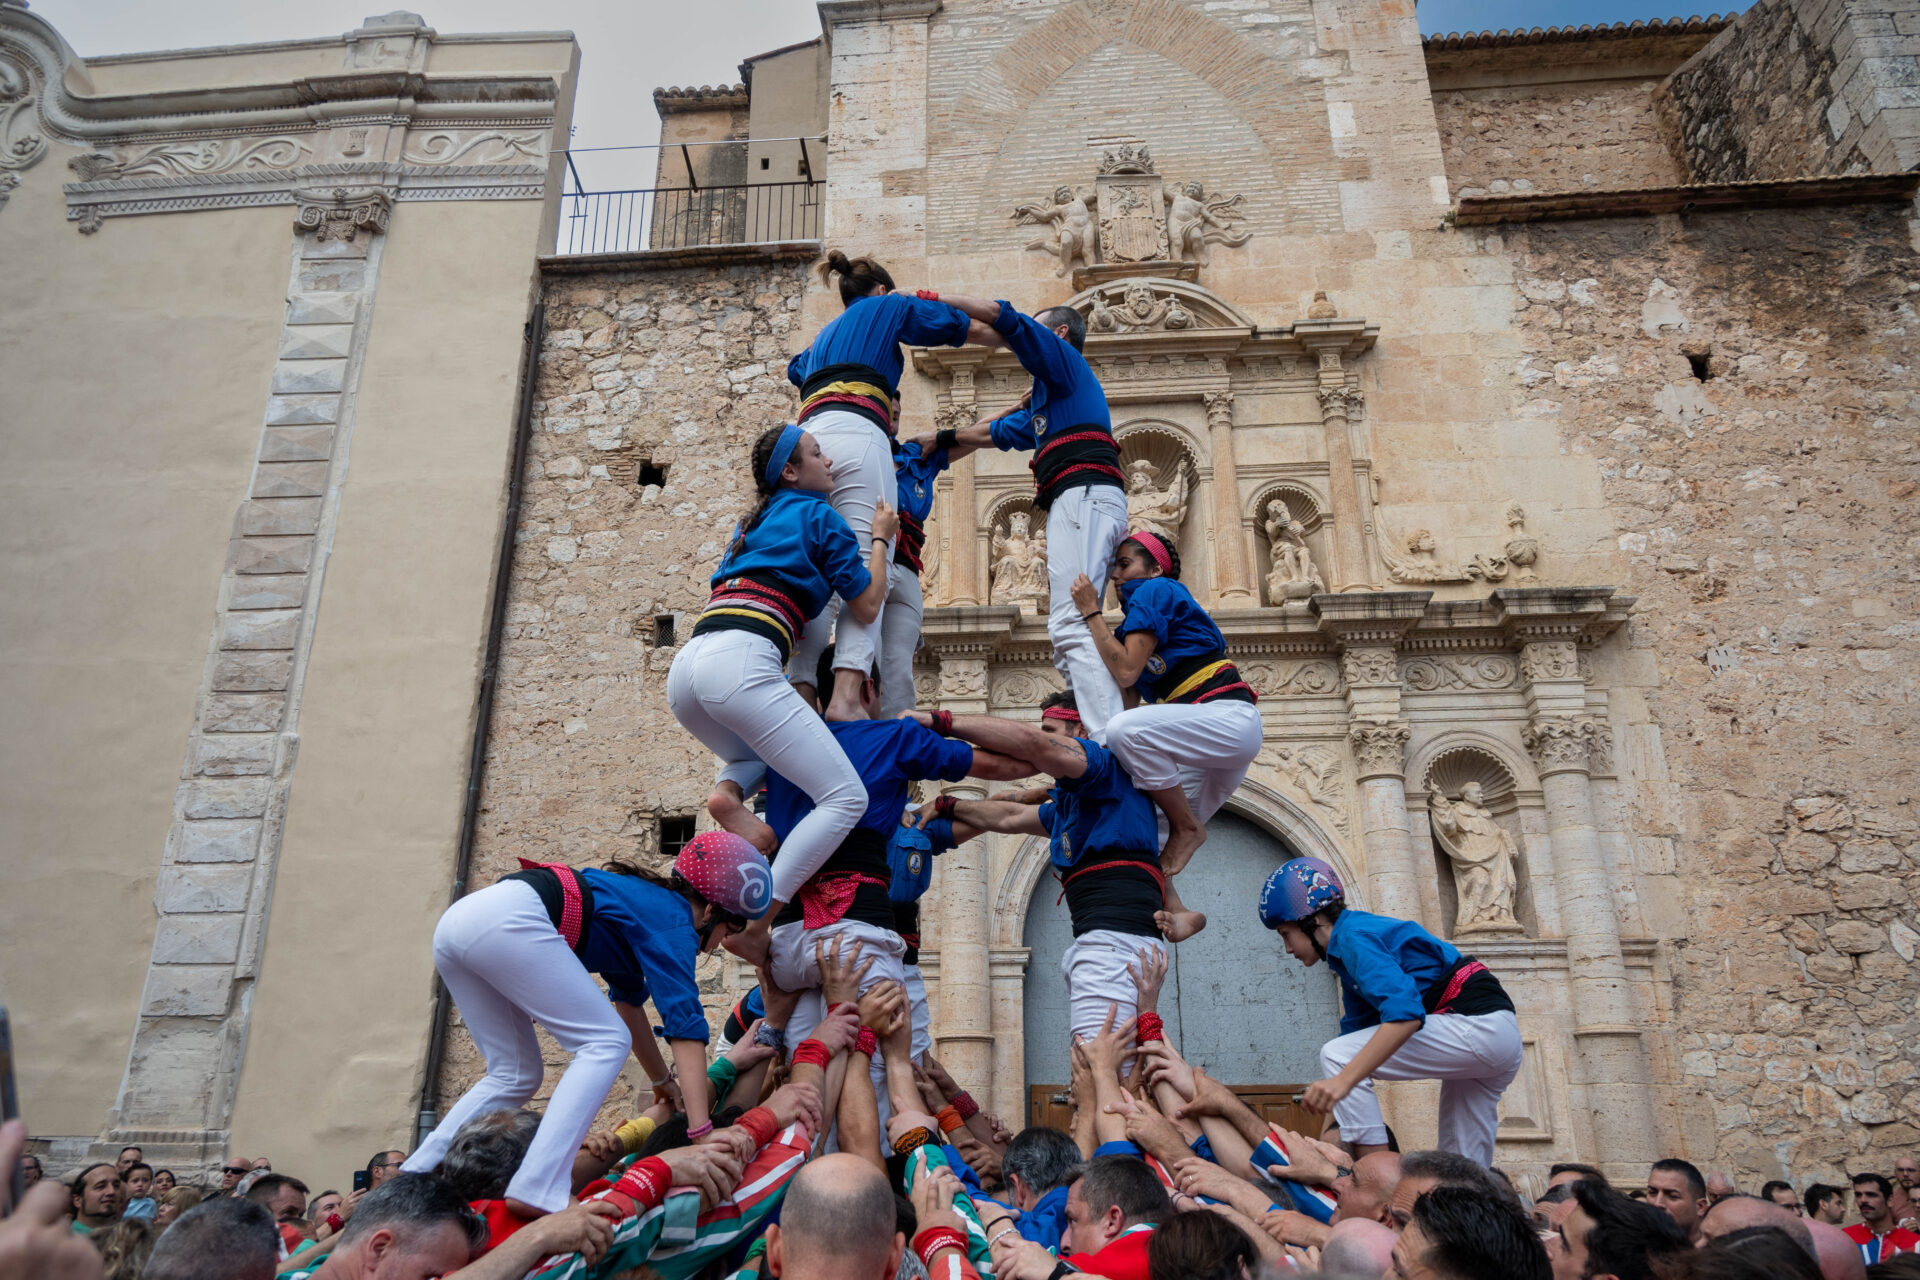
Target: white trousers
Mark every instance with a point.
(922, 1012)
(795, 969)
(506, 968)
(1205, 749)
(1096, 970)
(899, 637)
(1084, 525)
(862, 461)
(726, 688)
(1474, 1057)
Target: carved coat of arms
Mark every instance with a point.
(1132, 207)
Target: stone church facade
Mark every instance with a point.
(1532, 410)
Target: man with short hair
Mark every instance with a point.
(1677, 1187)
(31, 1171)
(219, 1239)
(1570, 1172)
(1781, 1193)
(129, 1156)
(414, 1225)
(1720, 1186)
(285, 1198)
(98, 1197)
(1112, 1209)
(1906, 1191)
(383, 1166)
(1876, 1233)
(837, 1224)
(1457, 1234)
(1738, 1212)
(1369, 1193)
(1039, 1166)
(1422, 1171)
(1826, 1203)
(1609, 1237)
(236, 1168)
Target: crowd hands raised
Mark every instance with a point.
(1165, 1174)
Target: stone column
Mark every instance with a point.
(1232, 577)
(961, 542)
(1609, 1060)
(1337, 404)
(963, 1020)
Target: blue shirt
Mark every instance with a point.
(1099, 811)
(1385, 967)
(1066, 394)
(916, 476)
(888, 755)
(1045, 1223)
(1180, 628)
(870, 332)
(642, 941)
(805, 543)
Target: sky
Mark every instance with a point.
(630, 47)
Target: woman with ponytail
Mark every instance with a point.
(524, 950)
(849, 381)
(1190, 729)
(728, 684)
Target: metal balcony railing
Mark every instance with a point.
(693, 211)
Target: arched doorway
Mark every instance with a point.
(1234, 1001)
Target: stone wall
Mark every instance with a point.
(681, 367)
(1559, 137)
(1752, 426)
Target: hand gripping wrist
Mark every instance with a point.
(964, 1104)
(1150, 1028)
(866, 1042)
(942, 723)
(932, 1240)
(943, 804)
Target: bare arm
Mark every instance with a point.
(1386, 1041)
(645, 1048)
(983, 335)
(997, 815)
(1060, 756)
(1125, 659)
(995, 767)
(981, 310)
(866, 605)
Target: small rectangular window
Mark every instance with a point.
(766, 162)
(663, 637)
(676, 831)
(651, 473)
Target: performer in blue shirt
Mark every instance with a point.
(728, 684)
(849, 380)
(524, 950)
(910, 854)
(1415, 1009)
(1077, 480)
(1189, 743)
(1104, 844)
(915, 470)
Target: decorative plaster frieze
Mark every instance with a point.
(1469, 671)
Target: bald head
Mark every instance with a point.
(1736, 1213)
(1369, 1195)
(1839, 1255)
(1719, 1186)
(837, 1221)
(1358, 1247)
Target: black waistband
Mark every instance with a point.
(1220, 686)
(546, 883)
(863, 852)
(1112, 890)
(906, 923)
(1079, 457)
(874, 411)
(1480, 993)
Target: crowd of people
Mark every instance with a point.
(824, 1138)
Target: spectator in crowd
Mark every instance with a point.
(225, 1238)
(1902, 1266)
(139, 1188)
(384, 1166)
(322, 1207)
(285, 1198)
(413, 1225)
(1570, 1172)
(1720, 1186)
(124, 1247)
(1740, 1213)
(1906, 1192)
(1358, 1248)
(1455, 1233)
(1422, 1171)
(174, 1203)
(1111, 1209)
(236, 1168)
(1751, 1253)
(31, 1171)
(129, 1156)
(164, 1181)
(1606, 1234)
(1677, 1187)
(1038, 1167)
(262, 1165)
(837, 1223)
(1781, 1193)
(1200, 1246)
(1826, 1203)
(98, 1197)
(1876, 1233)
(1839, 1255)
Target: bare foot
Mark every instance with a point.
(841, 712)
(731, 812)
(1178, 926)
(1182, 842)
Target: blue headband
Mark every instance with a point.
(782, 450)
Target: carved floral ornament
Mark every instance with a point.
(342, 213)
(1562, 744)
(1379, 747)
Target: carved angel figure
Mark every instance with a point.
(1293, 575)
(1196, 220)
(1150, 507)
(1069, 214)
(1019, 560)
(1483, 854)
(1418, 562)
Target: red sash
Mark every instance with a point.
(826, 899)
(570, 908)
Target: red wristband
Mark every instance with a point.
(759, 1122)
(942, 722)
(950, 1120)
(335, 1221)
(930, 1242)
(1150, 1028)
(966, 1106)
(811, 1053)
(646, 1182)
(927, 295)
(943, 804)
(866, 1042)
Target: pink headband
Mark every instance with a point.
(1061, 713)
(1155, 548)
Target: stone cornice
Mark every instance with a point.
(1480, 211)
(835, 13)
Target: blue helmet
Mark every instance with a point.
(1297, 890)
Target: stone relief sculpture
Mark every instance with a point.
(20, 146)
(1293, 576)
(1140, 307)
(181, 159)
(1314, 770)
(1416, 559)
(1020, 564)
(1071, 219)
(1483, 856)
(1196, 220)
(1157, 508)
(1522, 550)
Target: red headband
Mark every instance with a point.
(1155, 548)
(1061, 713)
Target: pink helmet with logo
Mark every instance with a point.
(728, 872)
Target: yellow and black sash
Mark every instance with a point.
(853, 387)
(763, 606)
(1206, 678)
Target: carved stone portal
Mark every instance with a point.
(1020, 564)
(1483, 855)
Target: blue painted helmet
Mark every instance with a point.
(1297, 890)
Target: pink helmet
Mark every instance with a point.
(728, 872)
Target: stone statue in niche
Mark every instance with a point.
(1020, 564)
(1483, 855)
(1196, 220)
(1071, 220)
(1293, 575)
(1159, 509)
(1522, 550)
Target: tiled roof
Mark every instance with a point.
(1505, 38)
